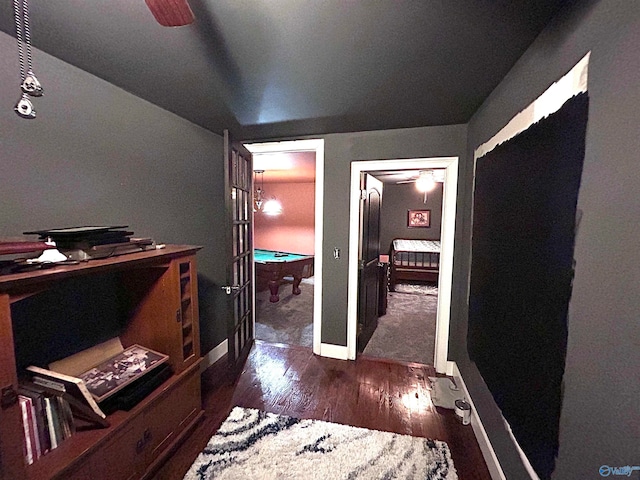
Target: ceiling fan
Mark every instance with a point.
(171, 13)
(425, 181)
(425, 177)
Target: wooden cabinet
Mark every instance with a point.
(118, 457)
(141, 444)
(153, 296)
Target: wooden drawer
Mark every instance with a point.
(172, 413)
(148, 437)
(122, 458)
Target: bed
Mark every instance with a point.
(414, 260)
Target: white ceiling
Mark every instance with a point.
(299, 167)
(289, 167)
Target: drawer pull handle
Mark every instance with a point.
(9, 397)
(142, 443)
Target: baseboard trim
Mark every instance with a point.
(525, 461)
(451, 367)
(334, 351)
(488, 453)
(326, 350)
(214, 355)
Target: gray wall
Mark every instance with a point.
(396, 201)
(340, 151)
(97, 155)
(599, 421)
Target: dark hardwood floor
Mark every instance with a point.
(371, 393)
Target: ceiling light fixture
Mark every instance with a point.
(425, 182)
(257, 193)
(271, 206)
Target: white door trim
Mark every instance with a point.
(312, 145)
(450, 164)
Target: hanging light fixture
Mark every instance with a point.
(268, 206)
(272, 207)
(258, 201)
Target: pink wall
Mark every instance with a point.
(293, 230)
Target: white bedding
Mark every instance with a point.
(430, 246)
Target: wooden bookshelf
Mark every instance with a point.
(157, 304)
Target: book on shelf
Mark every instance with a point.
(72, 389)
(54, 429)
(38, 408)
(100, 372)
(128, 366)
(31, 446)
(65, 417)
(83, 253)
(44, 429)
(46, 421)
(130, 396)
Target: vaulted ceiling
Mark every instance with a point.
(272, 68)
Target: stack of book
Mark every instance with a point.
(85, 386)
(47, 419)
(86, 243)
(16, 252)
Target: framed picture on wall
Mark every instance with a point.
(419, 219)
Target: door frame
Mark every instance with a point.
(449, 201)
(317, 146)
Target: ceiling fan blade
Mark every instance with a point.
(171, 13)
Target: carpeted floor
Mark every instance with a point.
(406, 333)
(252, 444)
(289, 321)
(408, 330)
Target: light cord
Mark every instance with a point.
(30, 85)
(18, 16)
(27, 34)
(23, 36)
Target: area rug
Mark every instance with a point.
(252, 444)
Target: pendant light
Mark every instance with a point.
(268, 206)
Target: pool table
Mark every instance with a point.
(274, 266)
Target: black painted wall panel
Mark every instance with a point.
(525, 198)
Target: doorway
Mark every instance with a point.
(410, 221)
(316, 147)
(450, 165)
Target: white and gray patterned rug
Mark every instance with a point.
(252, 444)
